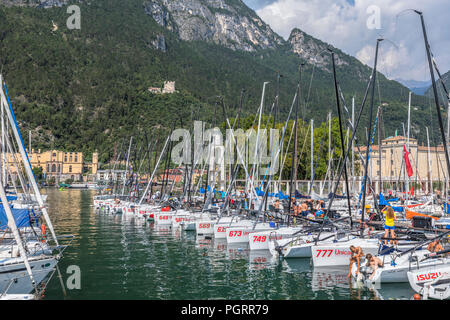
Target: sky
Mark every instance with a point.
(354, 25)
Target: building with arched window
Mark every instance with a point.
(61, 165)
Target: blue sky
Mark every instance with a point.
(343, 23)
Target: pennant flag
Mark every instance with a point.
(409, 169)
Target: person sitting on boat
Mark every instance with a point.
(310, 204)
(435, 246)
(294, 207)
(438, 197)
(374, 263)
(304, 211)
(389, 224)
(357, 253)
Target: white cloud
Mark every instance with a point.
(345, 26)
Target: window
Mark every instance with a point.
(53, 167)
(65, 158)
(54, 154)
(70, 168)
(70, 158)
(76, 157)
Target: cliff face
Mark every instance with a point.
(225, 22)
(35, 3)
(229, 23)
(314, 51)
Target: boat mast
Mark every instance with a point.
(294, 158)
(330, 203)
(12, 225)
(407, 146)
(341, 133)
(380, 182)
(25, 160)
(329, 152)
(312, 155)
(430, 169)
(126, 167)
(368, 141)
(3, 148)
(436, 99)
(353, 146)
(150, 181)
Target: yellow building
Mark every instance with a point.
(428, 164)
(59, 164)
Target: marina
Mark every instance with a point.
(153, 260)
(286, 180)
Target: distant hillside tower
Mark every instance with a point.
(169, 87)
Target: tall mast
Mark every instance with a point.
(436, 99)
(407, 145)
(338, 179)
(329, 151)
(380, 182)
(368, 140)
(430, 172)
(312, 153)
(126, 167)
(342, 137)
(448, 133)
(295, 162)
(353, 145)
(294, 158)
(26, 161)
(3, 149)
(150, 181)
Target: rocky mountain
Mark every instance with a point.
(89, 87)
(315, 51)
(35, 3)
(225, 22)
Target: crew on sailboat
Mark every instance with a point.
(374, 263)
(435, 246)
(389, 224)
(357, 254)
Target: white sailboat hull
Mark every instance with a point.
(14, 278)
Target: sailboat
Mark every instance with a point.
(27, 258)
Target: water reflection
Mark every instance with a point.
(261, 259)
(122, 257)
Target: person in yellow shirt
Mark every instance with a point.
(389, 224)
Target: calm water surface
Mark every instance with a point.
(130, 259)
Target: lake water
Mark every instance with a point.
(131, 259)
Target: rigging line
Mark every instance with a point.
(368, 159)
(285, 154)
(317, 162)
(309, 90)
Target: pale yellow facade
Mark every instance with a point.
(427, 163)
(59, 164)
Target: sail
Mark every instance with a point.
(21, 217)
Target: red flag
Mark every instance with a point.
(409, 169)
